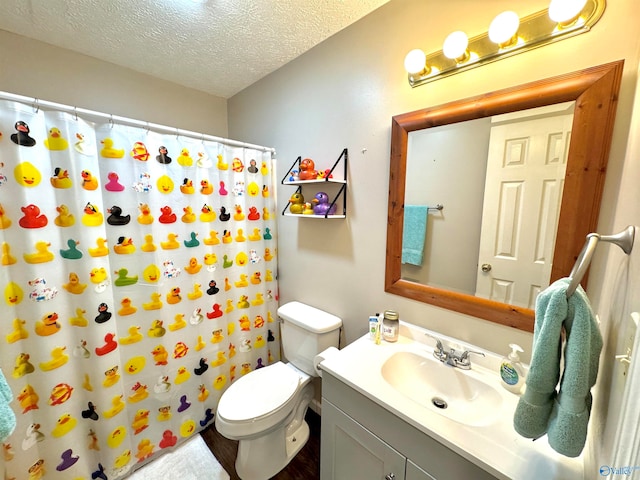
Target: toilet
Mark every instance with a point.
(265, 409)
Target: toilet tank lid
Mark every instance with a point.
(308, 317)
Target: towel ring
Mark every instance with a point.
(623, 239)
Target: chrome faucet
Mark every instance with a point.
(453, 357)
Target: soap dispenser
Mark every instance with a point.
(511, 370)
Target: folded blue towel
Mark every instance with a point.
(414, 231)
(7, 417)
(564, 414)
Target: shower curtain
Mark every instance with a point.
(138, 273)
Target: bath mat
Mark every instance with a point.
(191, 461)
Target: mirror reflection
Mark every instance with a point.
(492, 187)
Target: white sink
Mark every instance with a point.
(461, 395)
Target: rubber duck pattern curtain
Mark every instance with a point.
(139, 281)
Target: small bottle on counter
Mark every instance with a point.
(390, 326)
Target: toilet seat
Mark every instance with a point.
(259, 400)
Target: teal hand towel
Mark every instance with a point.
(7, 417)
(562, 414)
(414, 231)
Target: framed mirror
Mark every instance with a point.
(594, 92)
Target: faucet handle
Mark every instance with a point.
(466, 353)
(438, 342)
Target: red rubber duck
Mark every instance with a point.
(217, 312)
(109, 345)
(167, 215)
(32, 217)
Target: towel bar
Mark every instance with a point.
(623, 239)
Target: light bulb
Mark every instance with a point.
(503, 28)
(455, 46)
(565, 11)
(415, 61)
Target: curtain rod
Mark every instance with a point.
(37, 104)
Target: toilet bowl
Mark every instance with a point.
(264, 410)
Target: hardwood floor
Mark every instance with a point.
(304, 466)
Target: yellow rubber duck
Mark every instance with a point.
(55, 140)
(108, 151)
(135, 365)
(160, 355)
(89, 182)
(255, 236)
(64, 217)
(184, 158)
(203, 393)
(151, 273)
(178, 323)
(264, 170)
(222, 165)
(207, 214)
(148, 245)
(212, 239)
(268, 256)
(220, 359)
(122, 460)
(155, 302)
(173, 296)
(182, 375)
(266, 214)
(101, 249)
(5, 222)
(156, 329)
(210, 259)
(60, 179)
(58, 358)
(238, 216)
(227, 284)
(187, 187)
(258, 300)
(230, 306)
(189, 216)
(18, 332)
(226, 237)
(64, 425)
(92, 216)
(205, 187)
(171, 242)
(134, 336)
(240, 236)
(260, 342)
(117, 436)
(140, 392)
(124, 246)
(111, 377)
(140, 421)
(117, 405)
(79, 320)
(98, 275)
(308, 209)
(268, 276)
(195, 293)
(7, 258)
(220, 382)
(41, 255)
(200, 343)
(145, 449)
(22, 366)
(242, 282)
(193, 267)
(296, 203)
(145, 217)
(126, 307)
(255, 278)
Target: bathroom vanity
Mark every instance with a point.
(394, 412)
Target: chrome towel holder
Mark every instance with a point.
(623, 239)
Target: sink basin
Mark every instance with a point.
(461, 395)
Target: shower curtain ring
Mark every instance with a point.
(148, 128)
(111, 121)
(36, 105)
(75, 113)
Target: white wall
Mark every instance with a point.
(36, 69)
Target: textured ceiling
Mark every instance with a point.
(219, 47)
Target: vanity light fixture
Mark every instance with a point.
(507, 35)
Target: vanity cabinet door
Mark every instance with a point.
(414, 472)
(350, 451)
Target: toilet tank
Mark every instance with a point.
(306, 331)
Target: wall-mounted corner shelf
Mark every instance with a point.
(339, 198)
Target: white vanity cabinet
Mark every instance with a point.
(363, 441)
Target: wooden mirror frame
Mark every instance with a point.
(595, 91)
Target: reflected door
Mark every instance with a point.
(525, 174)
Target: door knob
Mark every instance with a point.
(390, 476)
(486, 267)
